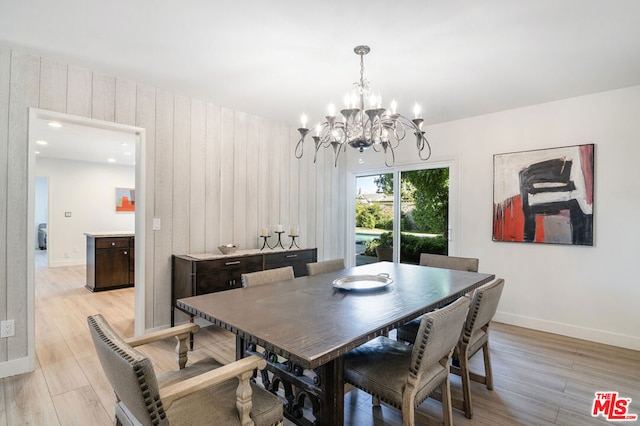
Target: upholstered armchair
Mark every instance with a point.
(267, 276)
(403, 376)
(325, 266)
(205, 392)
(449, 262)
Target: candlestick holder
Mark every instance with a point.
(279, 243)
(264, 243)
(293, 241)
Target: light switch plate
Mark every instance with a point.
(156, 223)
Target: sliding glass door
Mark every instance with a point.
(412, 203)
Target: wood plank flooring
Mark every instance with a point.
(540, 378)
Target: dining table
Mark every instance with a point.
(307, 324)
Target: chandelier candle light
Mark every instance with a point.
(363, 128)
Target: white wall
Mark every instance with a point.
(585, 292)
(87, 191)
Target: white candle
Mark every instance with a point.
(416, 110)
(279, 228)
(394, 106)
(332, 110)
(294, 231)
(303, 120)
(265, 232)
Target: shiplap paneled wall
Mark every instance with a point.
(213, 175)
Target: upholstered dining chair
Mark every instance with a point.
(408, 331)
(205, 392)
(324, 266)
(267, 276)
(475, 336)
(403, 376)
(449, 262)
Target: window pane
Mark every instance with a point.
(374, 218)
(424, 213)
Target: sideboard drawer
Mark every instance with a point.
(298, 259)
(102, 243)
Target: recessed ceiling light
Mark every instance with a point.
(55, 124)
(111, 160)
(41, 142)
(123, 143)
(127, 153)
(37, 152)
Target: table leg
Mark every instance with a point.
(332, 382)
(240, 347)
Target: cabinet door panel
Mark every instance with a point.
(112, 267)
(224, 274)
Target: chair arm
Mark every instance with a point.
(162, 334)
(243, 367)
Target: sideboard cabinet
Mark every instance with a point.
(192, 275)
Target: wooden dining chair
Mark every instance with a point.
(403, 376)
(408, 331)
(324, 266)
(475, 336)
(205, 392)
(267, 276)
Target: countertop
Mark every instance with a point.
(249, 252)
(110, 234)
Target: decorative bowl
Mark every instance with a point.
(228, 248)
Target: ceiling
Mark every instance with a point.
(73, 141)
(279, 58)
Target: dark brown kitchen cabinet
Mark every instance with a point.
(193, 275)
(110, 262)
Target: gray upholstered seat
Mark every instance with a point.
(205, 392)
(403, 376)
(267, 276)
(449, 262)
(475, 336)
(325, 266)
(408, 331)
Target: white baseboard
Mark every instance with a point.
(590, 334)
(16, 366)
(70, 262)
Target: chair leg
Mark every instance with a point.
(447, 414)
(375, 401)
(466, 381)
(488, 373)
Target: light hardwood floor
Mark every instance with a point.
(540, 378)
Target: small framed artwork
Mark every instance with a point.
(125, 200)
(544, 196)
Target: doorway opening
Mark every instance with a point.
(65, 237)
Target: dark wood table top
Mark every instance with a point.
(310, 323)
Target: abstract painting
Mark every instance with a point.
(544, 196)
(125, 199)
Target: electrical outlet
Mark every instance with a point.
(7, 328)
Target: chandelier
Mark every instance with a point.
(361, 128)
